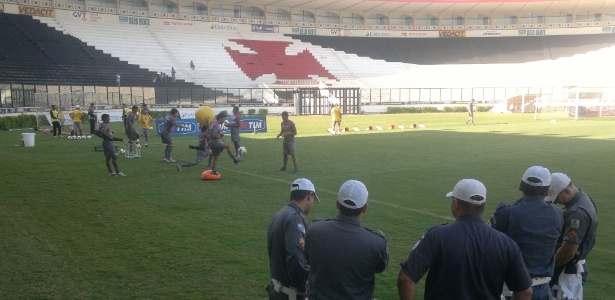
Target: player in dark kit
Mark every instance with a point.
(217, 144)
(288, 131)
(165, 134)
(105, 133)
(202, 149)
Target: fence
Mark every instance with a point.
(22, 95)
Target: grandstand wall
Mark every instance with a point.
(213, 38)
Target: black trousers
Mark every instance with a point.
(92, 125)
(56, 128)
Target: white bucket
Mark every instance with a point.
(28, 139)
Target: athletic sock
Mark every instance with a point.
(189, 164)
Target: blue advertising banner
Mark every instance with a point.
(248, 124)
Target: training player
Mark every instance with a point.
(235, 125)
(336, 118)
(76, 116)
(165, 134)
(144, 119)
(217, 144)
(131, 132)
(55, 120)
(105, 133)
(202, 149)
(288, 131)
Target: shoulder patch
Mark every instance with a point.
(301, 228)
(574, 223)
(503, 204)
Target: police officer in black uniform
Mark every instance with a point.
(343, 255)
(286, 241)
(577, 239)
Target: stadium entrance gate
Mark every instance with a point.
(315, 101)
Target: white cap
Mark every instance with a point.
(353, 194)
(303, 184)
(559, 181)
(77, 106)
(537, 176)
(469, 190)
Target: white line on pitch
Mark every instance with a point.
(418, 211)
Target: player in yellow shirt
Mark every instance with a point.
(55, 121)
(76, 116)
(336, 118)
(144, 119)
(125, 112)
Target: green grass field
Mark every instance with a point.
(71, 232)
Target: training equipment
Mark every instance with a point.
(89, 137)
(204, 115)
(421, 125)
(122, 151)
(378, 127)
(70, 137)
(242, 151)
(355, 128)
(400, 126)
(208, 176)
(134, 150)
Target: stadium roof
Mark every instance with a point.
(435, 6)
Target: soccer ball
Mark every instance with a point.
(138, 146)
(78, 137)
(242, 151)
(89, 137)
(70, 137)
(122, 151)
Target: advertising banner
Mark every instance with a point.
(452, 33)
(248, 124)
(37, 11)
(264, 28)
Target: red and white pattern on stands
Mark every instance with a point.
(271, 58)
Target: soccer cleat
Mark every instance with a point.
(165, 160)
(111, 174)
(121, 174)
(282, 169)
(179, 168)
(171, 160)
(146, 145)
(237, 161)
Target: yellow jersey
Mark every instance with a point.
(336, 113)
(76, 115)
(144, 120)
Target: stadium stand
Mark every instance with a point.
(38, 54)
(469, 50)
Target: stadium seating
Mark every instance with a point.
(38, 54)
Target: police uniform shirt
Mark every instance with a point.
(535, 226)
(343, 258)
(466, 260)
(285, 245)
(581, 223)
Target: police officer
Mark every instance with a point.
(285, 244)
(577, 238)
(535, 226)
(343, 255)
(466, 259)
